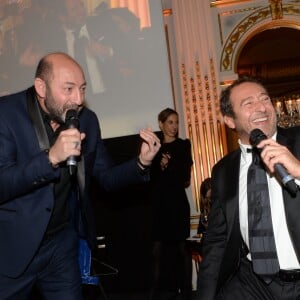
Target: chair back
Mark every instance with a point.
(85, 260)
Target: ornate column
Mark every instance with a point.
(195, 71)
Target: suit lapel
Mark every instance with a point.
(232, 194)
(40, 130)
(37, 120)
(291, 204)
(81, 177)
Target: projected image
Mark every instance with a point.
(121, 49)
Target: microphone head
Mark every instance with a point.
(72, 120)
(71, 115)
(256, 136)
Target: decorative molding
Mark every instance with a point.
(237, 34)
(203, 119)
(249, 23)
(268, 26)
(229, 14)
(276, 9)
(226, 2)
(167, 12)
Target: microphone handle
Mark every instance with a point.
(72, 169)
(287, 179)
(71, 161)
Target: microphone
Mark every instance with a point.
(72, 121)
(256, 136)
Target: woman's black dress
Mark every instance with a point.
(171, 210)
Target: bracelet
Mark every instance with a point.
(46, 151)
(140, 164)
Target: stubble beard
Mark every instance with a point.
(55, 113)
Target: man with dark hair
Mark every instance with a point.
(69, 24)
(252, 245)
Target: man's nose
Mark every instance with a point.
(259, 105)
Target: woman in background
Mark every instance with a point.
(170, 173)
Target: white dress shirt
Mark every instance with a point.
(96, 83)
(285, 251)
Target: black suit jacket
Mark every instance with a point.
(26, 191)
(223, 242)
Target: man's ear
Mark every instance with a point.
(229, 122)
(40, 87)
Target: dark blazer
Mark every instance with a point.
(223, 242)
(26, 193)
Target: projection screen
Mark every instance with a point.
(122, 50)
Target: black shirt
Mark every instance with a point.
(62, 188)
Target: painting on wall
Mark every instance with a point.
(122, 50)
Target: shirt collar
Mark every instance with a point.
(247, 149)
